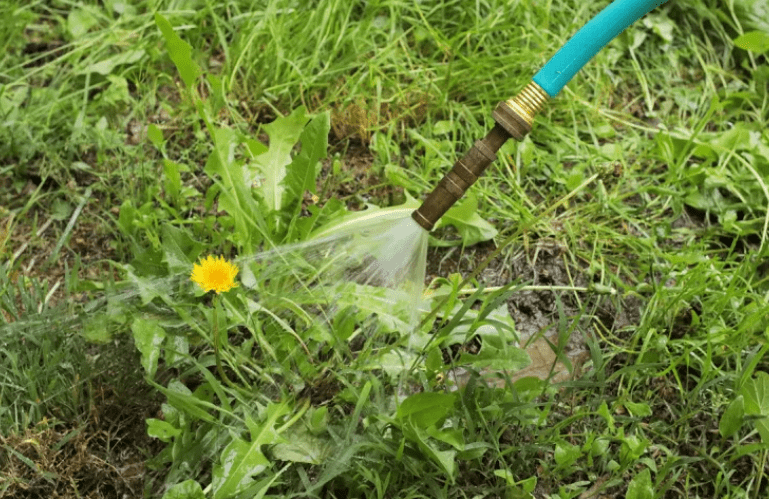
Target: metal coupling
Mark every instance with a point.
(513, 118)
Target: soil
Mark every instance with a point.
(102, 455)
(535, 312)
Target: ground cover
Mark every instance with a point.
(631, 227)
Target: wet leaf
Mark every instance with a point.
(179, 250)
(638, 409)
(301, 173)
(155, 134)
(358, 220)
(302, 447)
(566, 454)
(240, 460)
(508, 358)
(106, 66)
(446, 459)
(79, 21)
(148, 336)
(235, 196)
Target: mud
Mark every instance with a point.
(540, 314)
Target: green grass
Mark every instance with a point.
(669, 121)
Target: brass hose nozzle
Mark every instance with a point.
(513, 118)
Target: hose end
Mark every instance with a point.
(516, 115)
(423, 221)
(456, 182)
(514, 118)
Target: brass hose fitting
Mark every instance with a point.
(513, 118)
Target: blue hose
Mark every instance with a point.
(609, 23)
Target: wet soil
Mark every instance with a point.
(537, 313)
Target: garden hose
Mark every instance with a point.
(514, 117)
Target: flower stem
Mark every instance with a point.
(219, 369)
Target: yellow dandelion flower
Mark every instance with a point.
(215, 274)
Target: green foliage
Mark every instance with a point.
(641, 486)
(179, 51)
(733, 417)
(148, 336)
(471, 227)
(45, 368)
(755, 41)
(755, 392)
(671, 117)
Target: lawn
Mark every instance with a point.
(589, 321)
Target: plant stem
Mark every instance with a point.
(219, 369)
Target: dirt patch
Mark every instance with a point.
(38, 252)
(100, 458)
(546, 315)
(353, 180)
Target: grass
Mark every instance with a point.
(669, 121)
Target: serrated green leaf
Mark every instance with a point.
(638, 409)
(155, 134)
(566, 454)
(149, 288)
(235, 195)
(603, 411)
(284, 132)
(148, 336)
(301, 447)
(300, 174)
(359, 220)
(177, 349)
(180, 251)
(445, 459)
(172, 178)
(733, 417)
(180, 397)
(508, 358)
(240, 460)
(179, 51)
(318, 419)
(434, 360)
(599, 447)
(451, 436)
(188, 489)
(442, 127)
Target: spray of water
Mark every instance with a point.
(373, 264)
